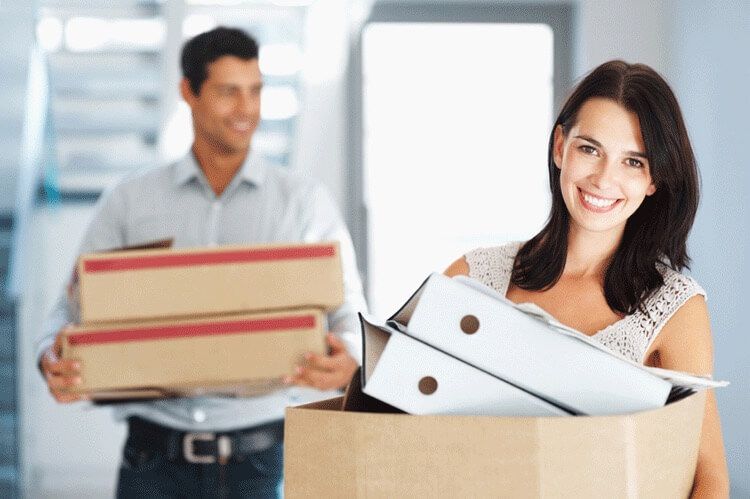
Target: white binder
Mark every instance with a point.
(419, 379)
(524, 348)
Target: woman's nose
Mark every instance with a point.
(604, 175)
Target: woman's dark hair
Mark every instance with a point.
(658, 230)
(203, 49)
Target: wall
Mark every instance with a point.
(711, 75)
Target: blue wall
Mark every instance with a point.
(711, 75)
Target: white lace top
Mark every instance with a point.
(633, 334)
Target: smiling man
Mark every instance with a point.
(220, 193)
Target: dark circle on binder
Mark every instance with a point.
(469, 324)
(428, 385)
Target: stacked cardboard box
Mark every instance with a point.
(486, 382)
(226, 320)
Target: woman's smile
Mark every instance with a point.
(595, 203)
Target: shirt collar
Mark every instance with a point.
(252, 171)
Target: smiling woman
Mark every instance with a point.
(608, 262)
(602, 171)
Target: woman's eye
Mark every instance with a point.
(634, 163)
(587, 149)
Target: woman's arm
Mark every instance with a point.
(685, 345)
(459, 267)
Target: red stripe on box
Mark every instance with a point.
(207, 258)
(192, 330)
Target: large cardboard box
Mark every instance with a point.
(232, 355)
(150, 284)
(334, 449)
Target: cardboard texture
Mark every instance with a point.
(232, 354)
(419, 379)
(494, 335)
(151, 284)
(334, 453)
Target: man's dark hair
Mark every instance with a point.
(657, 232)
(203, 49)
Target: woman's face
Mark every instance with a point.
(604, 171)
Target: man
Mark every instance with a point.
(221, 193)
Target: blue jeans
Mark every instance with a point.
(146, 473)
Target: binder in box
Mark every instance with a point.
(419, 379)
(470, 321)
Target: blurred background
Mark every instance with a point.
(428, 120)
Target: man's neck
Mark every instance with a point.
(219, 169)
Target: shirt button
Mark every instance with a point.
(199, 416)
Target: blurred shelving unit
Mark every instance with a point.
(105, 65)
(114, 71)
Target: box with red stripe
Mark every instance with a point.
(153, 284)
(232, 354)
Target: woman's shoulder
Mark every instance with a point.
(667, 299)
(503, 251)
(677, 285)
(493, 265)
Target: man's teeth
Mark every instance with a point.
(598, 202)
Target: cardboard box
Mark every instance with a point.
(330, 452)
(471, 322)
(419, 379)
(237, 354)
(151, 284)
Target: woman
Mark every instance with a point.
(624, 195)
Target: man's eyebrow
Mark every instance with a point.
(599, 144)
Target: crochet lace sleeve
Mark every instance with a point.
(493, 266)
(663, 304)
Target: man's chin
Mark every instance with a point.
(232, 148)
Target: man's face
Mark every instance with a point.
(227, 109)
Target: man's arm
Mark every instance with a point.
(104, 232)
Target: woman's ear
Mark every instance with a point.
(557, 147)
(651, 189)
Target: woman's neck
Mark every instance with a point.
(589, 253)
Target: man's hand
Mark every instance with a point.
(60, 374)
(326, 372)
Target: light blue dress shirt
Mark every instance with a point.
(262, 204)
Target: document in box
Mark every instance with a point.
(526, 347)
